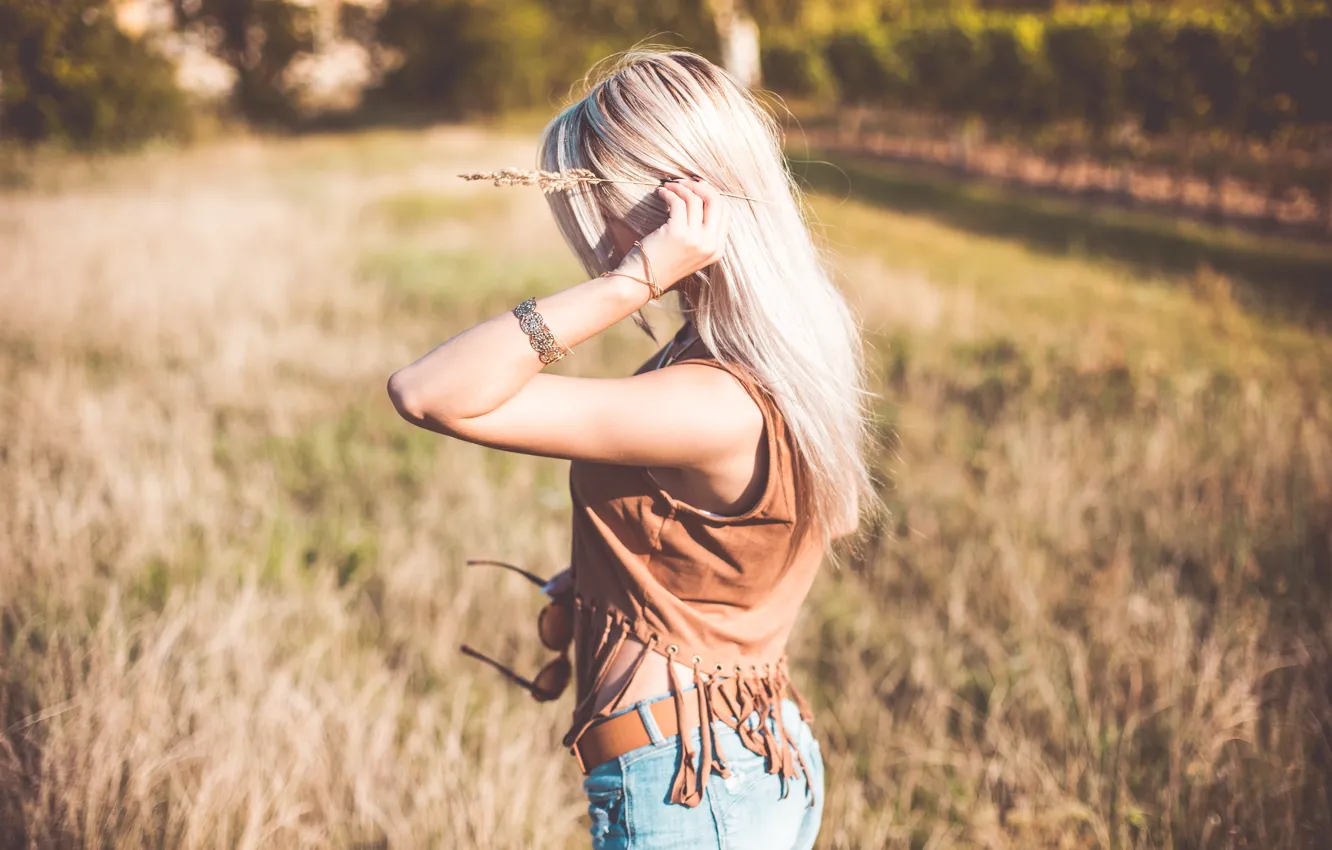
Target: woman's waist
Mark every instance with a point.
(652, 703)
(626, 683)
(643, 669)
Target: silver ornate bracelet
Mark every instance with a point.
(544, 342)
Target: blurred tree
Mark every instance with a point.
(796, 66)
(603, 27)
(68, 73)
(867, 71)
(1011, 81)
(1087, 65)
(458, 56)
(258, 39)
(739, 34)
(467, 56)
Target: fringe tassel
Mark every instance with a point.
(602, 659)
(784, 744)
(733, 700)
(705, 730)
(782, 685)
(750, 736)
(684, 790)
(713, 698)
(772, 748)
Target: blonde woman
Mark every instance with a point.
(707, 485)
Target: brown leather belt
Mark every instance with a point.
(623, 733)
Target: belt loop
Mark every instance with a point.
(650, 723)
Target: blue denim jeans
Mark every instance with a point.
(628, 797)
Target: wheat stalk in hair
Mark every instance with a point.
(557, 181)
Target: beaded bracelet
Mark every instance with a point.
(546, 344)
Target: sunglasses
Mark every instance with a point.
(555, 627)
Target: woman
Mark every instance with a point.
(707, 486)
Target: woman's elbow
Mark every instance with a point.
(407, 398)
(418, 406)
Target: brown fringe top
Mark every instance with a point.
(718, 593)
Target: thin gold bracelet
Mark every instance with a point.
(544, 342)
(651, 281)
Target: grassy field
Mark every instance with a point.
(232, 583)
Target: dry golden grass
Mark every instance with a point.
(230, 579)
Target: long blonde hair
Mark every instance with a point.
(768, 305)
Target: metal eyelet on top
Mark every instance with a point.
(672, 649)
(720, 668)
(697, 659)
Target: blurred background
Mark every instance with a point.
(1089, 244)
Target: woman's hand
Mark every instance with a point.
(693, 238)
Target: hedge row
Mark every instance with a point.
(1165, 70)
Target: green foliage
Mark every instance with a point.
(1255, 72)
(1200, 69)
(68, 74)
(1293, 72)
(863, 66)
(793, 65)
(466, 56)
(1087, 60)
(941, 58)
(1151, 82)
(1015, 91)
(1214, 90)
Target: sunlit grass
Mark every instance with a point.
(231, 581)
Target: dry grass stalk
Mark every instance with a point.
(560, 181)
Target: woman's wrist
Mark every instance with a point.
(648, 262)
(622, 285)
(632, 266)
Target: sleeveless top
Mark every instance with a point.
(716, 592)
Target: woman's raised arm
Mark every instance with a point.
(485, 384)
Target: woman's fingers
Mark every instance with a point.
(714, 209)
(675, 205)
(693, 203)
(708, 195)
(700, 206)
(694, 235)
